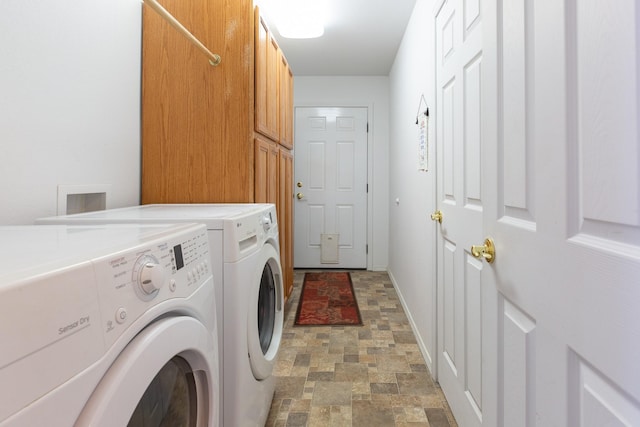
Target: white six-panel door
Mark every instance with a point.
(561, 168)
(466, 328)
(538, 134)
(331, 187)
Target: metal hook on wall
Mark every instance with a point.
(426, 112)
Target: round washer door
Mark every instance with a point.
(266, 317)
(165, 376)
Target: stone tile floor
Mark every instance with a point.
(369, 375)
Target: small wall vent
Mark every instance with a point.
(74, 199)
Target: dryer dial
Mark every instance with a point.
(149, 276)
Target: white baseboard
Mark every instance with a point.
(421, 345)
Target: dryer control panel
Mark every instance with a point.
(70, 293)
(133, 282)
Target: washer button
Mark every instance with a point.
(172, 285)
(121, 315)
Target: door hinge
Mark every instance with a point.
(367, 127)
(367, 187)
(367, 248)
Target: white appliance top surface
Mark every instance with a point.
(213, 215)
(28, 250)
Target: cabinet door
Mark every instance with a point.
(267, 120)
(285, 218)
(196, 135)
(286, 103)
(265, 171)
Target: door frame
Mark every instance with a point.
(433, 122)
(369, 107)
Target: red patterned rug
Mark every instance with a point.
(327, 298)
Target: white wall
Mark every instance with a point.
(412, 193)
(373, 93)
(69, 102)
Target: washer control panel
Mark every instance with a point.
(130, 283)
(248, 233)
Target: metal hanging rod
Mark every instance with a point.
(214, 58)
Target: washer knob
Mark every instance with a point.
(267, 222)
(151, 275)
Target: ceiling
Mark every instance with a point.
(361, 38)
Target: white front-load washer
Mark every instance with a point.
(107, 325)
(243, 241)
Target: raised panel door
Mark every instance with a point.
(285, 217)
(266, 97)
(561, 163)
(331, 167)
(466, 322)
(265, 171)
(286, 103)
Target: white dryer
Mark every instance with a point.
(107, 325)
(244, 247)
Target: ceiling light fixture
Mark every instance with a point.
(299, 19)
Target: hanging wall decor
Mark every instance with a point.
(422, 120)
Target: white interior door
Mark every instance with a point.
(466, 324)
(331, 187)
(561, 157)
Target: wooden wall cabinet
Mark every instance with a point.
(197, 120)
(273, 184)
(273, 88)
(274, 124)
(212, 134)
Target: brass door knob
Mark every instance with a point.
(486, 251)
(437, 216)
(299, 196)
